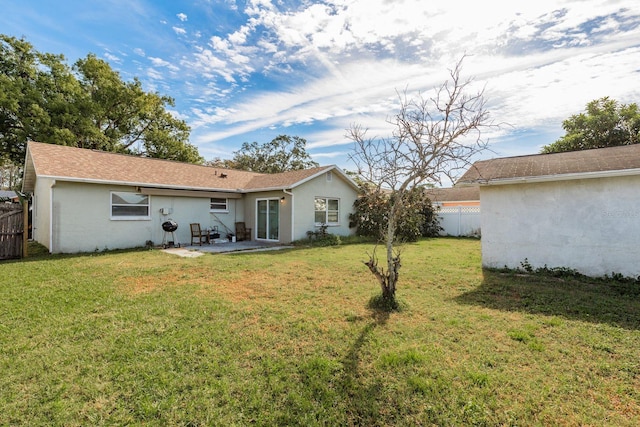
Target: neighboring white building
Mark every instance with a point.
(458, 210)
(578, 210)
(86, 200)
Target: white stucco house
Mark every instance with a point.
(86, 200)
(578, 210)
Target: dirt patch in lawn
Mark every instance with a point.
(241, 287)
(247, 286)
(146, 284)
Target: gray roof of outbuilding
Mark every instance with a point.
(454, 194)
(7, 194)
(623, 160)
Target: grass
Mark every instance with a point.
(286, 338)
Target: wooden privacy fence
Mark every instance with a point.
(11, 230)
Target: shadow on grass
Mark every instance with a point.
(362, 399)
(589, 300)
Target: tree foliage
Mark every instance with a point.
(283, 153)
(417, 219)
(86, 105)
(10, 175)
(432, 136)
(605, 123)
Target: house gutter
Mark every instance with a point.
(293, 212)
(148, 185)
(551, 178)
(53, 184)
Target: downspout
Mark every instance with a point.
(293, 216)
(53, 184)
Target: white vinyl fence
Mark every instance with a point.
(460, 220)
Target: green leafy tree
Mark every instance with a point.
(21, 113)
(605, 123)
(283, 153)
(10, 175)
(87, 105)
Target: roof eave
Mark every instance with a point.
(455, 201)
(306, 179)
(314, 176)
(551, 178)
(342, 173)
(260, 190)
(349, 180)
(140, 184)
(28, 174)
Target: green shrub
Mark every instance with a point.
(418, 218)
(322, 237)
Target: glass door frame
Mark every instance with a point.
(268, 219)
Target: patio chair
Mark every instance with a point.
(197, 233)
(242, 232)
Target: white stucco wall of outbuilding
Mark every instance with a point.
(589, 225)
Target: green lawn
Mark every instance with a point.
(285, 338)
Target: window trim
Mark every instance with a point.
(226, 203)
(326, 211)
(129, 217)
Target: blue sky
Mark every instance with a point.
(243, 71)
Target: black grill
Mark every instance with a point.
(170, 225)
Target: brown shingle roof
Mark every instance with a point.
(285, 179)
(77, 164)
(596, 162)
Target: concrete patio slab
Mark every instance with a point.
(183, 252)
(222, 247)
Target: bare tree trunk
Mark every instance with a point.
(393, 262)
(389, 278)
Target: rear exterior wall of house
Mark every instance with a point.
(77, 217)
(329, 186)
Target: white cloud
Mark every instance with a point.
(342, 61)
(111, 57)
(154, 74)
(178, 115)
(208, 61)
(159, 62)
(258, 66)
(361, 89)
(330, 155)
(232, 4)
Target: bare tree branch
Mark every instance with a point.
(433, 137)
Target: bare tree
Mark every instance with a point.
(433, 137)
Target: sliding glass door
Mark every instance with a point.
(268, 219)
